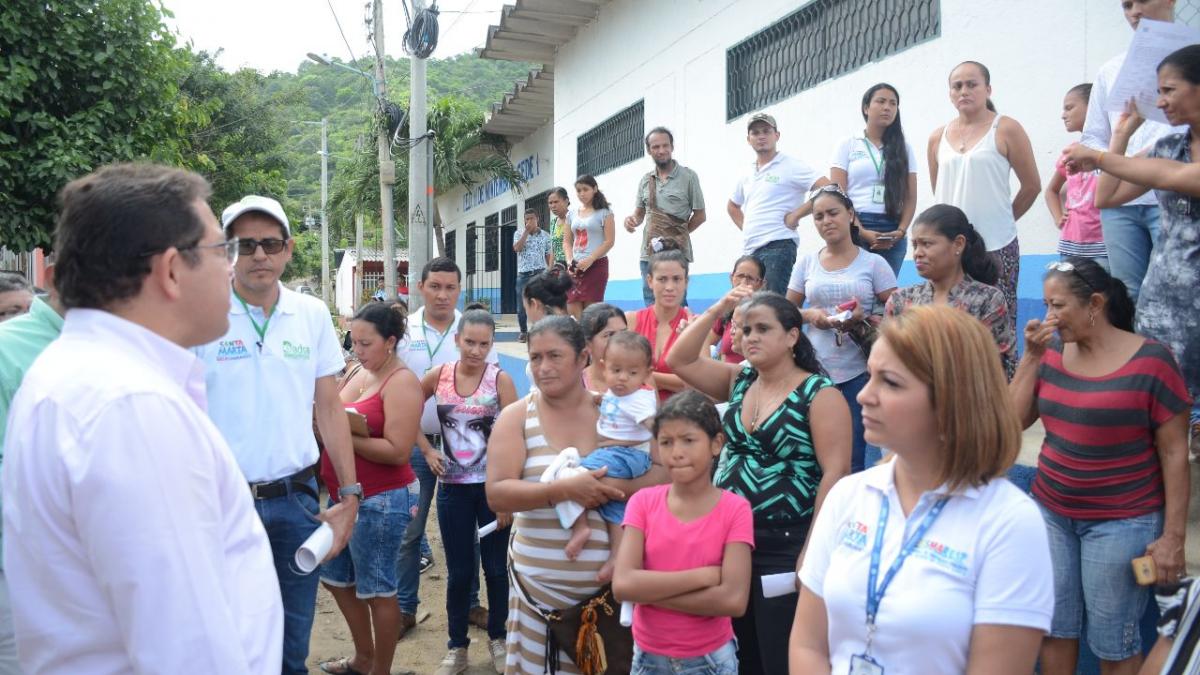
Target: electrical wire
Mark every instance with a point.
(343, 33)
(422, 35)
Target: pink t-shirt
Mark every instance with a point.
(1081, 234)
(672, 546)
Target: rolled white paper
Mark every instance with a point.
(487, 529)
(775, 585)
(627, 614)
(314, 549)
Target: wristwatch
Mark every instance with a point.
(348, 490)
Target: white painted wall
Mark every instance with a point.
(672, 54)
(533, 155)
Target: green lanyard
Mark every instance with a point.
(261, 330)
(877, 162)
(425, 329)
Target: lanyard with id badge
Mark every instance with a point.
(877, 189)
(864, 663)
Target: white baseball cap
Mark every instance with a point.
(256, 203)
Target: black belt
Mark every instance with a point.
(279, 488)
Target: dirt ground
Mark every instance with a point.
(422, 649)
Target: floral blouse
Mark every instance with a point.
(976, 298)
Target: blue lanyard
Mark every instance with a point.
(875, 593)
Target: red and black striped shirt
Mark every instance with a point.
(1099, 460)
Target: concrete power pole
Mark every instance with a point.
(387, 168)
(419, 216)
(325, 284)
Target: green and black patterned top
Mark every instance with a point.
(775, 468)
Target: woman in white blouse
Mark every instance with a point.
(957, 556)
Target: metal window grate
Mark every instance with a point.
(1188, 11)
(491, 243)
(472, 237)
(452, 245)
(615, 141)
(822, 40)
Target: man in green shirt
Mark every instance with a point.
(21, 340)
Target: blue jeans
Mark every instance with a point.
(721, 661)
(878, 222)
(289, 520)
(862, 454)
(1092, 575)
(369, 564)
(621, 462)
(414, 545)
(647, 294)
(779, 257)
(1130, 233)
(523, 279)
(462, 509)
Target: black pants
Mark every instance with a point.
(764, 630)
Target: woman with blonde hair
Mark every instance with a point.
(932, 562)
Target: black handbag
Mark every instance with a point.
(590, 632)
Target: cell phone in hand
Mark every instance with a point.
(884, 237)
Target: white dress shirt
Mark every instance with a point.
(132, 541)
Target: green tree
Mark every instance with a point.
(82, 83)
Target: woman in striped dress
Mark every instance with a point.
(528, 435)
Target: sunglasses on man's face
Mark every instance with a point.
(269, 246)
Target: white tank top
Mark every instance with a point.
(976, 181)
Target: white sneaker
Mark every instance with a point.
(454, 663)
(499, 652)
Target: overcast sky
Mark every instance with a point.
(273, 35)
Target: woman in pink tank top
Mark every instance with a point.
(363, 577)
(470, 394)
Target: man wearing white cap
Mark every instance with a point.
(279, 357)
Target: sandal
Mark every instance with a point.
(338, 667)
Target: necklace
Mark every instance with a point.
(963, 135)
(368, 385)
(759, 396)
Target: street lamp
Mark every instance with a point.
(324, 124)
(387, 168)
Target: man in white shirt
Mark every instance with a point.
(429, 343)
(131, 543)
(277, 359)
(768, 204)
(1129, 230)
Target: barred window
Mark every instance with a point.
(451, 245)
(615, 141)
(491, 243)
(472, 237)
(822, 40)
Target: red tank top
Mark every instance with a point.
(373, 476)
(646, 325)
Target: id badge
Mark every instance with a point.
(861, 664)
(877, 194)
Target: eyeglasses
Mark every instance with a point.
(269, 246)
(230, 246)
(739, 279)
(1068, 268)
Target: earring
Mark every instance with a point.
(1092, 319)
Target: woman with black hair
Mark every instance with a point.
(788, 441)
(663, 321)
(586, 242)
(844, 287)
(546, 294)
(878, 169)
(1112, 477)
(958, 271)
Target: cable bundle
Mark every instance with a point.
(422, 35)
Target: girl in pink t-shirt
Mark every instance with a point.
(685, 558)
(1074, 209)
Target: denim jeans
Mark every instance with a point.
(1091, 574)
(370, 562)
(414, 545)
(862, 454)
(878, 222)
(289, 520)
(462, 509)
(523, 279)
(720, 661)
(1130, 233)
(779, 257)
(647, 294)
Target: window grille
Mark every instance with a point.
(822, 40)
(472, 237)
(451, 245)
(491, 243)
(615, 141)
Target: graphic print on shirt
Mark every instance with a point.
(232, 350)
(581, 240)
(854, 535)
(465, 432)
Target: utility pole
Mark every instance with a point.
(387, 168)
(419, 216)
(359, 268)
(324, 210)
